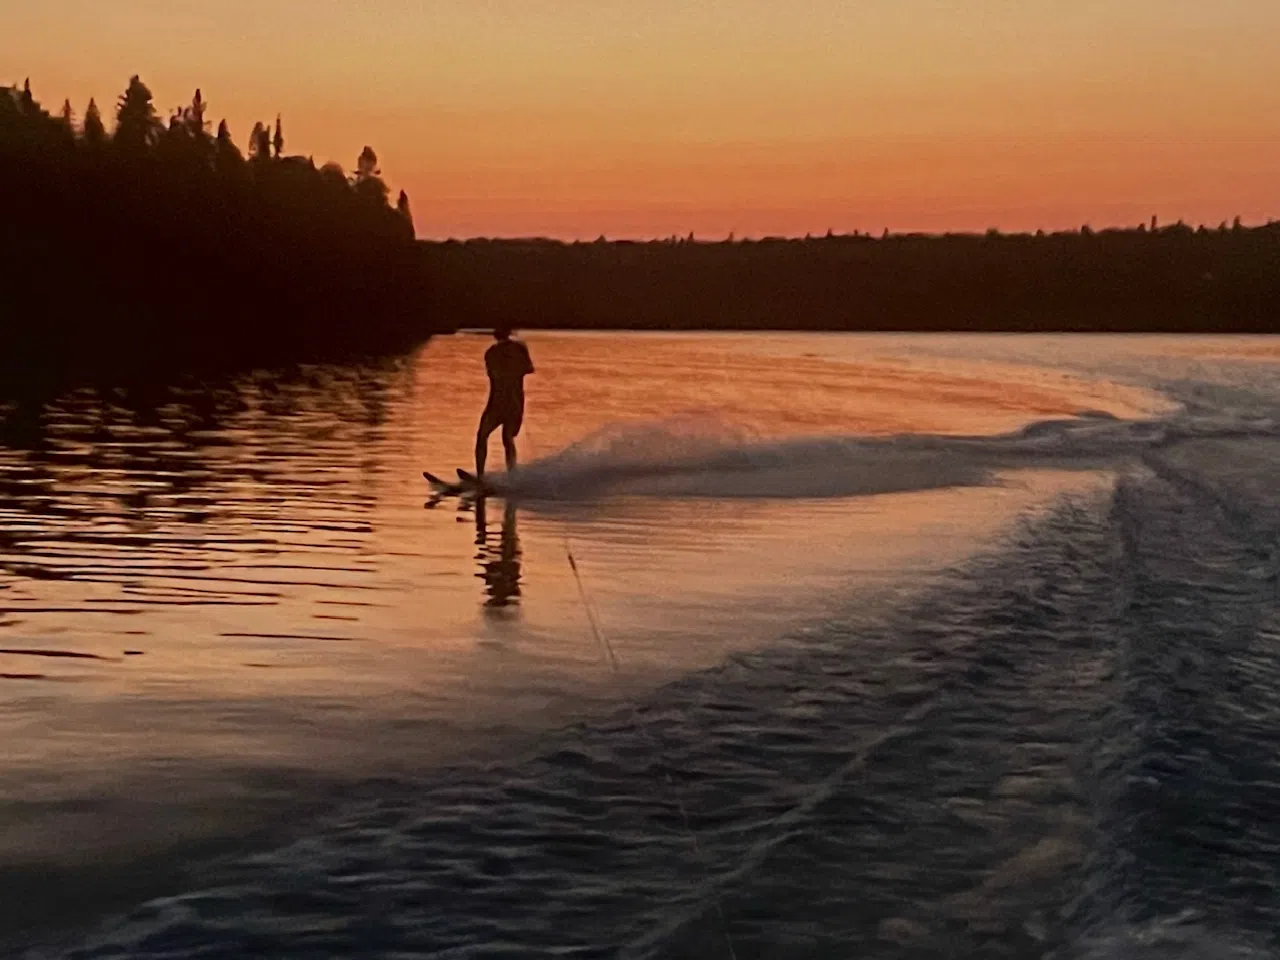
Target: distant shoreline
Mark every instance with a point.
(1172, 279)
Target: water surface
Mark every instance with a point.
(227, 605)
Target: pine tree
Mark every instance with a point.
(137, 126)
(94, 132)
(367, 165)
(223, 146)
(277, 142)
(368, 178)
(26, 100)
(260, 143)
(402, 207)
(68, 116)
(227, 158)
(194, 115)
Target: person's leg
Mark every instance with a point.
(509, 445)
(487, 425)
(510, 430)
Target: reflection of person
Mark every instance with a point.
(499, 567)
(507, 362)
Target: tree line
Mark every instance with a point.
(1148, 278)
(160, 241)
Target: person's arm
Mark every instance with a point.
(528, 360)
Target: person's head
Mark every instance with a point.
(502, 332)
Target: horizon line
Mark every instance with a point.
(692, 236)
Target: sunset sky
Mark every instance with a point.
(576, 118)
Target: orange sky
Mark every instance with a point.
(575, 118)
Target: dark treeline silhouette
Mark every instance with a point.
(156, 242)
(1151, 278)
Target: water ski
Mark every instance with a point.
(473, 483)
(443, 487)
(466, 484)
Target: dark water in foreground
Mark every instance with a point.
(1057, 742)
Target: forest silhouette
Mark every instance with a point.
(160, 243)
(1151, 278)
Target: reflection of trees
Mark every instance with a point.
(187, 464)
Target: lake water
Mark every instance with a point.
(784, 645)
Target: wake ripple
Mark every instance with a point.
(693, 457)
(1066, 750)
(1188, 787)
(896, 785)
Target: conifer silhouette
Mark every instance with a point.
(94, 133)
(137, 126)
(160, 210)
(259, 143)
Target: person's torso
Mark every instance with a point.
(507, 363)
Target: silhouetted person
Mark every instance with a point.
(507, 363)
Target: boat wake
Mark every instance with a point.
(1063, 749)
(697, 457)
(1051, 755)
